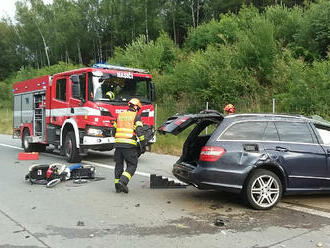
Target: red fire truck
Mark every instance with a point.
(75, 110)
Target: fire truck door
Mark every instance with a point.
(77, 95)
(60, 110)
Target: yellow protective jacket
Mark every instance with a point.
(128, 127)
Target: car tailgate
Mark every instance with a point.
(177, 123)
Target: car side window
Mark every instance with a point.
(324, 134)
(250, 130)
(271, 132)
(294, 132)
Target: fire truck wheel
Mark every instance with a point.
(28, 147)
(70, 148)
(41, 147)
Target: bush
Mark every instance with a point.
(28, 73)
(314, 33)
(307, 91)
(160, 55)
(286, 21)
(257, 48)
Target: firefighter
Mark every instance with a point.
(129, 143)
(110, 94)
(229, 109)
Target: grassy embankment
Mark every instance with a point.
(6, 121)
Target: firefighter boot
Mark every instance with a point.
(117, 187)
(123, 187)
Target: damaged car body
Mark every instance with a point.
(260, 156)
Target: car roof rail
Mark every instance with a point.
(210, 111)
(319, 120)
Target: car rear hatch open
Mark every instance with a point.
(197, 139)
(177, 123)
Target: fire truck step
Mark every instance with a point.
(159, 182)
(28, 156)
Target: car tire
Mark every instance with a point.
(71, 151)
(263, 189)
(28, 147)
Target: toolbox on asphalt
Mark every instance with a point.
(86, 172)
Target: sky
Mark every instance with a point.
(7, 8)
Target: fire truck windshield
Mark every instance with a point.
(114, 89)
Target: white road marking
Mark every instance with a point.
(15, 147)
(144, 174)
(304, 209)
(112, 167)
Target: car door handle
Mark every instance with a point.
(281, 149)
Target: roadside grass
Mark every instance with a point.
(168, 143)
(6, 121)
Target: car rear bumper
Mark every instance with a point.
(209, 178)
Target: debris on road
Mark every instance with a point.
(319, 244)
(219, 222)
(80, 223)
(137, 205)
(159, 182)
(80, 181)
(215, 206)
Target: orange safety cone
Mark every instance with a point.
(28, 156)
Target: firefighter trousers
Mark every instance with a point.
(130, 156)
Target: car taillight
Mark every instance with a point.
(181, 120)
(211, 153)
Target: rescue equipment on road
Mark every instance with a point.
(159, 182)
(51, 175)
(28, 156)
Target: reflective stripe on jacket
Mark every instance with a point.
(125, 128)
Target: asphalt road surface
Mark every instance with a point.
(93, 215)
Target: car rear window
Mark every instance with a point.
(251, 130)
(325, 135)
(271, 132)
(294, 132)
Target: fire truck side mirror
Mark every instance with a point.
(152, 93)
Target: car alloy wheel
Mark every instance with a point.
(264, 189)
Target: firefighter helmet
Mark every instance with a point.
(111, 95)
(229, 108)
(135, 102)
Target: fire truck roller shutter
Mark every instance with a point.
(70, 123)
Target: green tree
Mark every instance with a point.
(314, 33)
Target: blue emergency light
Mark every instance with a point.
(117, 67)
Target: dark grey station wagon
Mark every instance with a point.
(261, 156)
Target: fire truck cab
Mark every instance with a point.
(75, 110)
